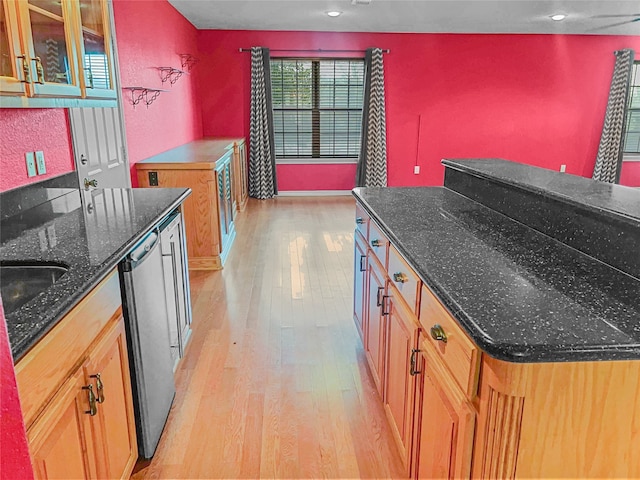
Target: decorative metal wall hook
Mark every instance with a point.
(188, 61)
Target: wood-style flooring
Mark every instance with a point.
(274, 383)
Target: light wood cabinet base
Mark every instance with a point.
(205, 263)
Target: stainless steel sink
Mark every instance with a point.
(23, 281)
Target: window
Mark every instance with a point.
(632, 127)
(317, 107)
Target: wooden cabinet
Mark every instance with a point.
(55, 51)
(376, 318)
(75, 389)
(206, 167)
(226, 207)
(107, 370)
(359, 282)
(240, 174)
(444, 423)
(56, 439)
(400, 371)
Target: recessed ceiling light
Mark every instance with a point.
(558, 17)
(334, 13)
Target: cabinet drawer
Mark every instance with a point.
(378, 243)
(362, 222)
(404, 279)
(459, 354)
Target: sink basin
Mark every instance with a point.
(20, 282)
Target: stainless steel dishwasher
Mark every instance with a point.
(144, 305)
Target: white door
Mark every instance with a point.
(99, 147)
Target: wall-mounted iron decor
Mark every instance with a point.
(188, 61)
(143, 94)
(170, 74)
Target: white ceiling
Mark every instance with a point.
(431, 16)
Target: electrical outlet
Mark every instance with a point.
(563, 168)
(31, 164)
(42, 169)
(153, 179)
(416, 170)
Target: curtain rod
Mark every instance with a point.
(319, 50)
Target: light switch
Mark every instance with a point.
(42, 169)
(31, 164)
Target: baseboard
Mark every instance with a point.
(313, 193)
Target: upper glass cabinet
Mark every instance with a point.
(14, 73)
(96, 51)
(56, 49)
(50, 47)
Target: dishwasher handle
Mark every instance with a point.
(147, 245)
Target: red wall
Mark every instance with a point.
(630, 174)
(27, 130)
(151, 34)
(14, 453)
(536, 99)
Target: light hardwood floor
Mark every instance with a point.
(275, 383)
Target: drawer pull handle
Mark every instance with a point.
(400, 277)
(363, 268)
(412, 370)
(376, 243)
(360, 221)
(378, 300)
(384, 313)
(99, 387)
(93, 409)
(438, 333)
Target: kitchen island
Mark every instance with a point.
(505, 308)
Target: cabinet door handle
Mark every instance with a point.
(400, 277)
(89, 77)
(359, 220)
(99, 387)
(438, 333)
(378, 299)
(93, 409)
(412, 369)
(39, 70)
(376, 243)
(26, 72)
(362, 268)
(384, 313)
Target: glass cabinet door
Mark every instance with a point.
(95, 49)
(52, 52)
(13, 78)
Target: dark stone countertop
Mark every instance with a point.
(600, 197)
(520, 295)
(91, 244)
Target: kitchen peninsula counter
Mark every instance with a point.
(520, 294)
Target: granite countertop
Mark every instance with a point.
(600, 197)
(90, 243)
(520, 295)
(200, 154)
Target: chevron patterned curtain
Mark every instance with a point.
(262, 158)
(372, 163)
(609, 158)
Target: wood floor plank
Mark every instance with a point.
(275, 382)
